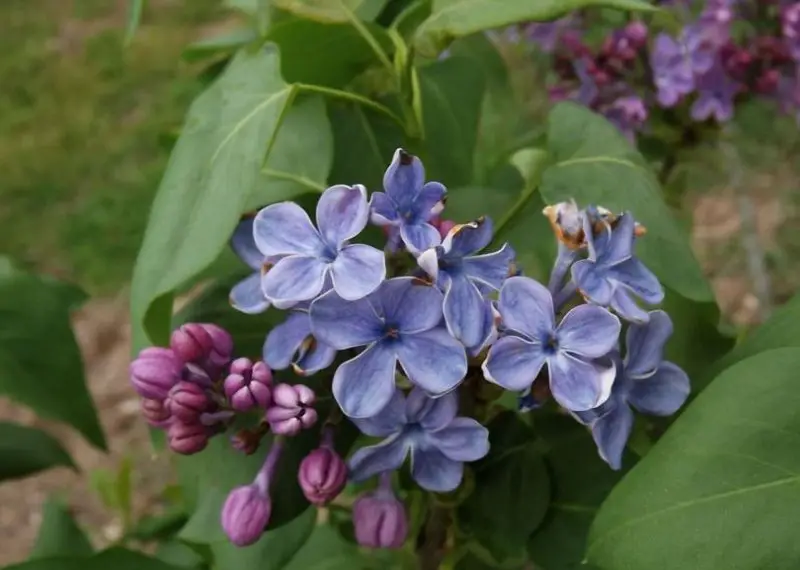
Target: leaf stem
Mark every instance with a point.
(353, 97)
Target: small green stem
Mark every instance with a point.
(352, 97)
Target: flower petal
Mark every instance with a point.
(433, 360)
(563, 262)
(294, 278)
(388, 455)
(623, 303)
(428, 261)
(431, 413)
(358, 270)
(611, 433)
(284, 340)
(243, 244)
(526, 307)
(592, 281)
(434, 471)
(465, 310)
(344, 324)
(513, 363)
(463, 440)
(383, 211)
(247, 296)
(419, 237)
(285, 229)
(391, 419)
(589, 331)
(317, 357)
(342, 213)
(578, 385)
(490, 269)
(410, 305)
(619, 247)
(404, 178)
(470, 238)
(662, 393)
(428, 202)
(634, 275)
(364, 385)
(645, 344)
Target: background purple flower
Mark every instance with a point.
(311, 254)
(644, 381)
(672, 70)
(716, 92)
(426, 429)
(398, 322)
(409, 203)
(568, 349)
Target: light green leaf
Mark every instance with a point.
(721, 488)
(452, 19)
(179, 554)
(40, 362)
(59, 534)
(225, 43)
(135, 9)
(332, 10)
(594, 164)
(327, 550)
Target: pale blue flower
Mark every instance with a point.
(246, 296)
(291, 343)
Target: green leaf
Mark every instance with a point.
(25, 451)
(158, 527)
(452, 94)
(593, 163)
(512, 490)
(179, 554)
(116, 558)
(212, 174)
(223, 44)
(452, 19)
(35, 321)
(580, 482)
(135, 9)
(721, 488)
(332, 10)
(59, 534)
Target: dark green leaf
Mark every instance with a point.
(721, 488)
(158, 527)
(580, 482)
(114, 558)
(178, 554)
(594, 164)
(222, 44)
(332, 10)
(59, 534)
(512, 490)
(452, 19)
(40, 363)
(25, 451)
(452, 94)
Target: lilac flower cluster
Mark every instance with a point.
(706, 66)
(410, 325)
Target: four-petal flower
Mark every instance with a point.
(400, 321)
(612, 275)
(465, 277)
(532, 339)
(427, 429)
(644, 382)
(310, 255)
(409, 203)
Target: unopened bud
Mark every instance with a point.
(204, 344)
(291, 409)
(248, 385)
(322, 475)
(187, 401)
(154, 372)
(187, 439)
(245, 514)
(379, 519)
(155, 412)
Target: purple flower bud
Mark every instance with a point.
(245, 514)
(248, 385)
(154, 372)
(187, 439)
(187, 401)
(203, 343)
(322, 475)
(636, 32)
(155, 412)
(291, 409)
(380, 519)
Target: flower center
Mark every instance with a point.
(391, 331)
(550, 344)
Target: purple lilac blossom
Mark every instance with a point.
(790, 24)
(408, 204)
(310, 255)
(532, 339)
(672, 71)
(644, 381)
(398, 322)
(291, 343)
(465, 277)
(628, 114)
(716, 92)
(428, 430)
(292, 409)
(612, 276)
(248, 385)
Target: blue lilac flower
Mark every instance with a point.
(672, 70)
(400, 321)
(310, 255)
(612, 276)
(644, 381)
(247, 295)
(532, 339)
(716, 91)
(428, 430)
(409, 203)
(291, 343)
(465, 277)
